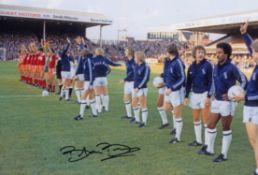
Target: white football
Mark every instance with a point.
(157, 81)
(235, 90)
(45, 93)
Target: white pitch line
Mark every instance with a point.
(122, 92)
(19, 96)
(39, 95)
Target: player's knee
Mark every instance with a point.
(196, 119)
(134, 103)
(165, 107)
(159, 103)
(253, 142)
(211, 125)
(143, 105)
(126, 98)
(226, 127)
(83, 97)
(178, 111)
(105, 90)
(205, 119)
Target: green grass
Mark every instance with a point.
(34, 128)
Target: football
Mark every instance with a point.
(157, 81)
(45, 93)
(235, 90)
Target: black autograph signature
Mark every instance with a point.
(109, 150)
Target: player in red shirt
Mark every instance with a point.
(41, 64)
(29, 66)
(21, 66)
(50, 65)
(25, 67)
(32, 68)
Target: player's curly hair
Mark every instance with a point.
(227, 49)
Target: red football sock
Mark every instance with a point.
(44, 84)
(40, 83)
(49, 87)
(53, 88)
(37, 82)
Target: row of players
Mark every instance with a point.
(205, 86)
(205, 89)
(203, 81)
(37, 67)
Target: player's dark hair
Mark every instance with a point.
(172, 49)
(227, 49)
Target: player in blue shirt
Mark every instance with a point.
(102, 69)
(250, 113)
(174, 78)
(66, 70)
(88, 92)
(225, 75)
(141, 78)
(128, 82)
(199, 82)
(79, 76)
(161, 95)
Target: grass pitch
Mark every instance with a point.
(34, 128)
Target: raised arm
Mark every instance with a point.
(246, 37)
(111, 63)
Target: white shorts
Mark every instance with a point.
(224, 108)
(197, 100)
(72, 73)
(100, 81)
(128, 88)
(87, 86)
(161, 91)
(250, 114)
(175, 98)
(182, 92)
(141, 92)
(73, 68)
(66, 75)
(80, 77)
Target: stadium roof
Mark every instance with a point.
(223, 24)
(91, 19)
